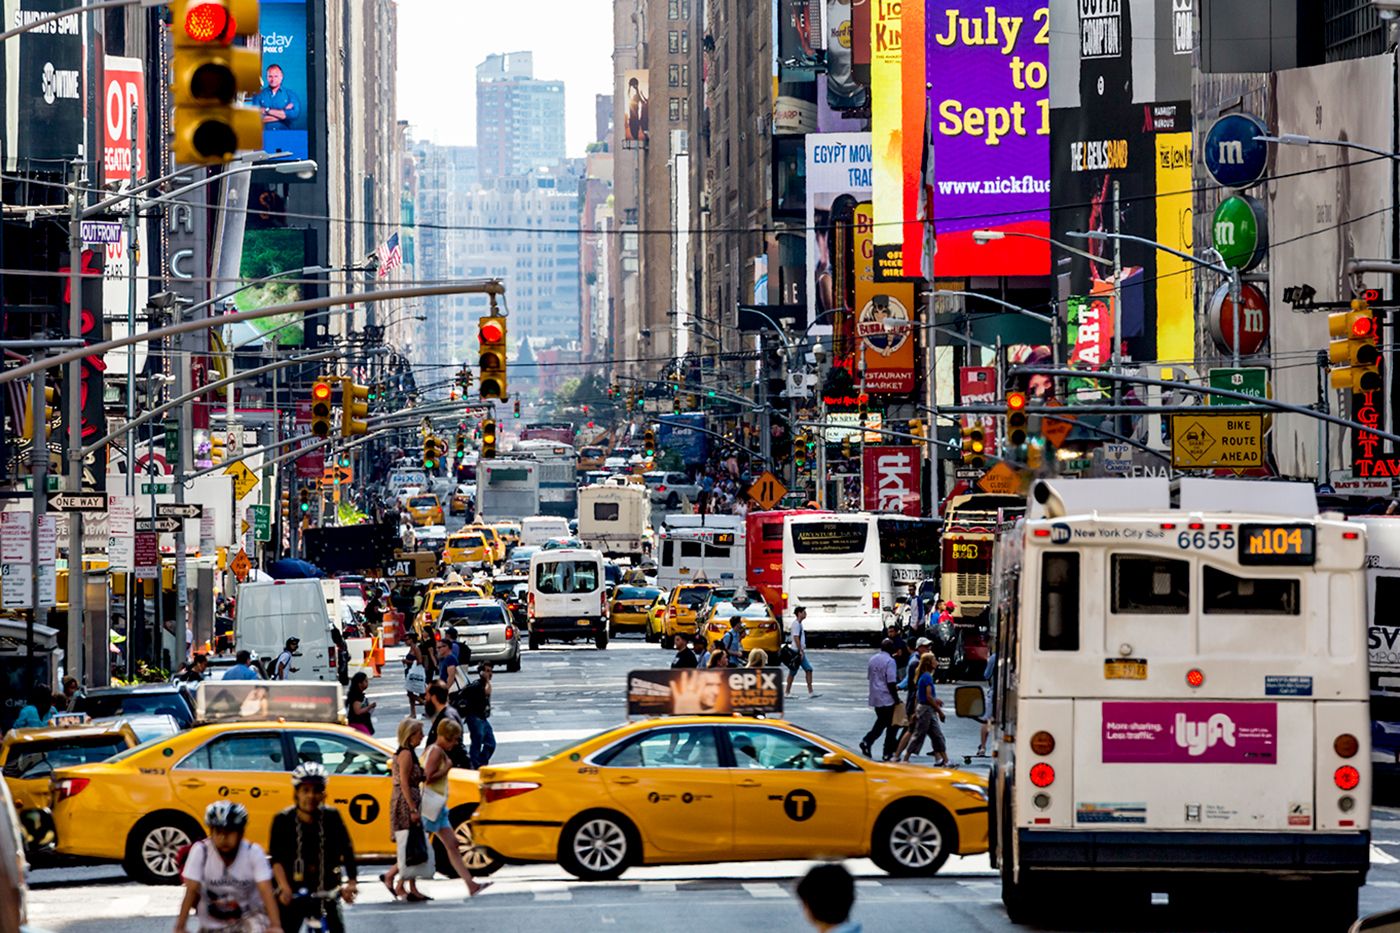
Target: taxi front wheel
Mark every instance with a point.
(912, 840)
(598, 846)
(153, 848)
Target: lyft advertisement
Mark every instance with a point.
(987, 69)
(1190, 732)
(892, 479)
(286, 56)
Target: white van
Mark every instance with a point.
(568, 597)
(541, 528)
(271, 612)
(612, 517)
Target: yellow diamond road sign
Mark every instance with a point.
(767, 490)
(244, 481)
(1202, 442)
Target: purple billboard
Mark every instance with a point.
(988, 71)
(1186, 733)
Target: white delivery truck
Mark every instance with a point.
(612, 517)
(538, 529)
(271, 612)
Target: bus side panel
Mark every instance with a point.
(1334, 720)
(1057, 718)
(1193, 764)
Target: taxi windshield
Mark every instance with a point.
(37, 759)
(423, 502)
(636, 592)
(694, 597)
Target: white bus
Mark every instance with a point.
(558, 475)
(831, 566)
(507, 490)
(1180, 700)
(714, 552)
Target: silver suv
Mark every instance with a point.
(670, 488)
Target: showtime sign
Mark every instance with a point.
(893, 479)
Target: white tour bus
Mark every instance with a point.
(689, 550)
(558, 474)
(1180, 699)
(832, 566)
(507, 490)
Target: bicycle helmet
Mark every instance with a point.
(225, 814)
(309, 772)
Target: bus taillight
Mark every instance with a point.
(875, 600)
(1346, 777)
(1345, 745)
(1042, 743)
(1042, 775)
(1195, 677)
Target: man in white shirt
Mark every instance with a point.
(797, 640)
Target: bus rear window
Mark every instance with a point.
(1386, 599)
(1151, 585)
(1059, 602)
(773, 531)
(1225, 593)
(606, 511)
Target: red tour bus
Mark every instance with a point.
(765, 554)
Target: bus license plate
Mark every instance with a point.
(1125, 669)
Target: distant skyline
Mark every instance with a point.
(442, 42)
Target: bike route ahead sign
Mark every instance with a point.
(1203, 442)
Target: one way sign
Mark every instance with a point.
(179, 509)
(75, 502)
(165, 525)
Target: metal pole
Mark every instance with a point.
(1235, 304)
(39, 475)
(160, 563)
(765, 418)
(1324, 456)
(73, 419)
(1117, 348)
(132, 256)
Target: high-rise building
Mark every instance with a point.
(519, 119)
(443, 176)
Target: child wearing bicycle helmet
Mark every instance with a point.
(228, 882)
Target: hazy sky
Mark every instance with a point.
(442, 41)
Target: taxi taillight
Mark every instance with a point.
(502, 790)
(69, 787)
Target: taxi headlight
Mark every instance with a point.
(975, 790)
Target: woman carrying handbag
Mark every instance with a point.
(406, 819)
(437, 762)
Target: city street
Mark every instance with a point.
(565, 693)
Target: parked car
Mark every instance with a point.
(487, 628)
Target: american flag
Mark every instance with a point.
(390, 256)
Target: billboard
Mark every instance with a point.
(124, 89)
(710, 691)
(838, 170)
(285, 96)
(841, 86)
(884, 325)
(892, 479)
(266, 252)
(896, 128)
(44, 91)
(635, 95)
(989, 101)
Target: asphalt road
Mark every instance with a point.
(565, 693)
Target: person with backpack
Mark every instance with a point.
(282, 668)
(438, 710)
(733, 642)
(228, 882)
(310, 848)
(474, 705)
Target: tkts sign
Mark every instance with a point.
(893, 479)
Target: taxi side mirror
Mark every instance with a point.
(833, 762)
(970, 702)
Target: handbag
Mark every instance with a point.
(900, 717)
(415, 845)
(432, 803)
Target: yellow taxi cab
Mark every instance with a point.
(630, 608)
(761, 627)
(656, 619)
(509, 532)
(683, 609)
(425, 509)
(493, 538)
(143, 805)
(437, 596)
(591, 458)
(467, 547)
(459, 500)
(29, 756)
(691, 789)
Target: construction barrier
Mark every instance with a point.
(391, 629)
(361, 655)
(378, 656)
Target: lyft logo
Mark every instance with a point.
(1197, 737)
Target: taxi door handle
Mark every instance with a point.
(748, 782)
(624, 779)
(192, 784)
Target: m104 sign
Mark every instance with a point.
(893, 479)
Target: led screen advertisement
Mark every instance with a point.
(284, 99)
(838, 174)
(987, 68)
(267, 252)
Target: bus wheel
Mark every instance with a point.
(1018, 897)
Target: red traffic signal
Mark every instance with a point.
(210, 22)
(1016, 401)
(321, 392)
(491, 331)
(1363, 328)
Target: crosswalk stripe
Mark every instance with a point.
(764, 889)
(1381, 857)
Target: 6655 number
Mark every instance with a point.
(1205, 540)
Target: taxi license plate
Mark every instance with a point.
(1125, 669)
(583, 622)
(476, 639)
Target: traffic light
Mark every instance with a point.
(305, 501)
(799, 453)
(430, 453)
(50, 409)
(488, 439)
(354, 408)
(321, 409)
(863, 406)
(649, 443)
(207, 74)
(916, 428)
(517, 408)
(217, 451)
(491, 339)
(974, 446)
(286, 503)
(846, 447)
(1353, 350)
(1015, 418)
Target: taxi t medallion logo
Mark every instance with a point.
(800, 805)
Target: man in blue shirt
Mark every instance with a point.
(39, 712)
(243, 670)
(280, 107)
(882, 674)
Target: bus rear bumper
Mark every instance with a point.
(1308, 854)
